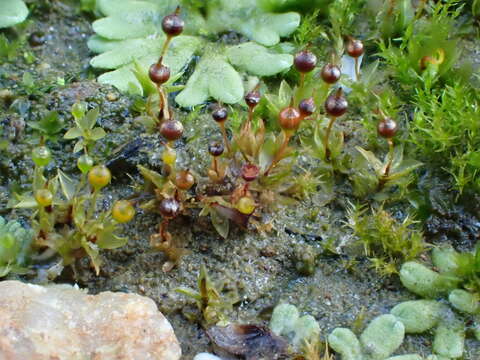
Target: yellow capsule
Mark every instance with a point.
(123, 211)
(169, 156)
(44, 197)
(246, 205)
(99, 176)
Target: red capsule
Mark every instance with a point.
(252, 98)
(169, 208)
(336, 104)
(220, 114)
(173, 24)
(159, 73)
(307, 107)
(355, 48)
(184, 180)
(305, 61)
(250, 172)
(216, 149)
(171, 129)
(289, 118)
(331, 73)
(387, 128)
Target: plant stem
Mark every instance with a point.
(215, 165)
(165, 48)
(390, 157)
(279, 153)
(225, 138)
(163, 230)
(302, 81)
(248, 124)
(163, 103)
(93, 204)
(357, 69)
(386, 172)
(327, 136)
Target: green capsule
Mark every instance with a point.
(41, 156)
(85, 163)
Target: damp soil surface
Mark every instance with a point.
(261, 268)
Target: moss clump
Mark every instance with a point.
(385, 240)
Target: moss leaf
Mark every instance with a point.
(382, 336)
(258, 60)
(419, 315)
(121, 55)
(345, 342)
(213, 77)
(253, 22)
(12, 12)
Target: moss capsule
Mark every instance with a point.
(336, 104)
(123, 211)
(44, 197)
(355, 48)
(246, 205)
(85, 163)
(250, 172)
(216, 149)
(184, 180)
(305, 61)
(252, 98)
(172, 24)
(99, 176)
(169, 208)
(171, 129)
(387, 128)
(220, 114)
(331, 73)
(289, 119)
(41, 156)
(307, 107)
(159, 73)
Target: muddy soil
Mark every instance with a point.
(261, 268)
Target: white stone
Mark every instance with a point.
(63, 323)
(206, 356)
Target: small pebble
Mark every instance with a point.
(112, 97)
(206, 356)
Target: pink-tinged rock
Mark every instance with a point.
(61, 322)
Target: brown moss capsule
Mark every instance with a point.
(36, 38)
(169, 208)
(216, 149)
(220, 114)
(307, 107)
(171, 129)
(289, 119)
(184, 180)
(172, 24)
(355, 48)
(250, 172)
(331, 73)
(159, 73)
(305, 61)
(336, 104)
(387, 128)
(252, 98)
(434, 60)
